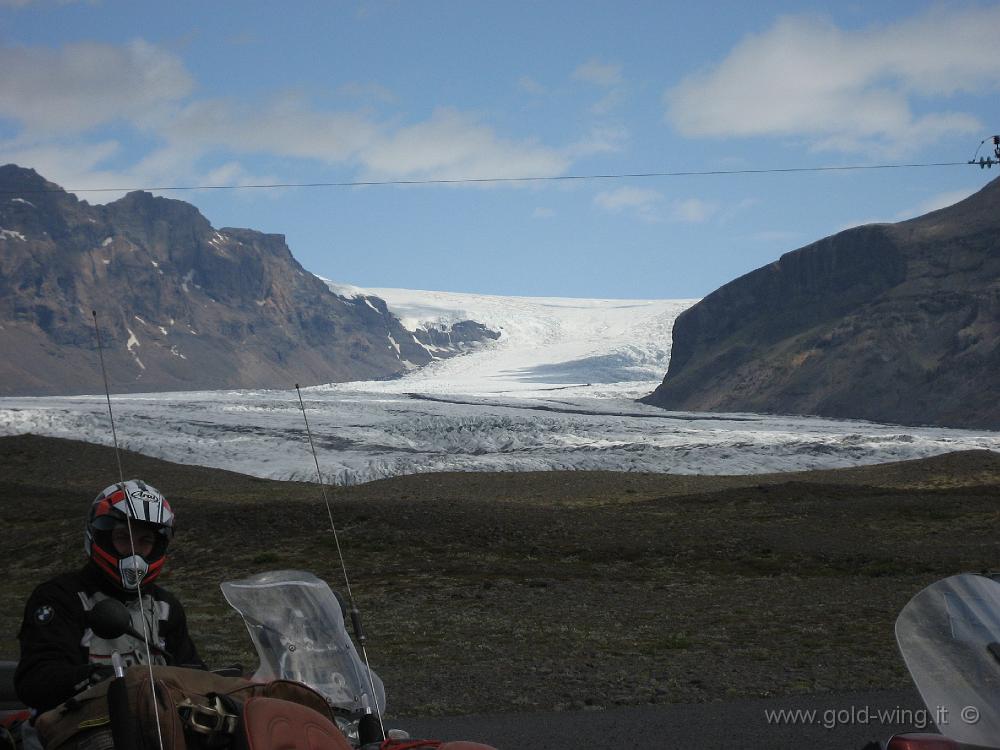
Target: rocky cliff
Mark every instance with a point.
(182, 305)
(895, 323)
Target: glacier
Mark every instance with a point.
(556, 391)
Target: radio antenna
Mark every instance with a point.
(128, 522)
(107, 394)
(355, 614)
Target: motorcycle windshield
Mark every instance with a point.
(297, 627)
(949, 635)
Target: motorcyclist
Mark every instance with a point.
(128, 528)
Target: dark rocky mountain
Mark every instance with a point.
(456, 337)
(895, 323)
(181, 305)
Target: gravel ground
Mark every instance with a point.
(576, 593)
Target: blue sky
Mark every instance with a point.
(134, 94)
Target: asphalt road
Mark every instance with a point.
(842, 721)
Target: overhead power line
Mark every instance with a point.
(497, 180)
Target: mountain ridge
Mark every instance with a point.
(182, 305)
(895, 323)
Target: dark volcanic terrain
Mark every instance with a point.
(487, 593)
(895, 323)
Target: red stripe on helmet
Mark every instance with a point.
(103, 507)
(107, 563)
(154, 569)
(102, 555)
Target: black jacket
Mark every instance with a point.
(55, 664)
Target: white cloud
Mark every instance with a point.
(693, 210)
(453, 145)
(234, 173)
(58, 97)
(845, 90)
(610, 101)
(935, 202)
(599, 73)
(600, 140)
(448, 145)
(648, 205)
(284, 126)
(653, 206)
(607, 76)
(627, 197)
(86, 84)
(857, 223)
(69, 165)
(78, 166)
(734, 208)
(531, 86)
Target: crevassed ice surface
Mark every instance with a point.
(557, 391)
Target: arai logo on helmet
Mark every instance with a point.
(149, 497)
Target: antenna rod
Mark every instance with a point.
(107, 393)
(355, 614)
(128, 524)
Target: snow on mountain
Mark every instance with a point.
(555, 391)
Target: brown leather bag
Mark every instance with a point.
(192, 709)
